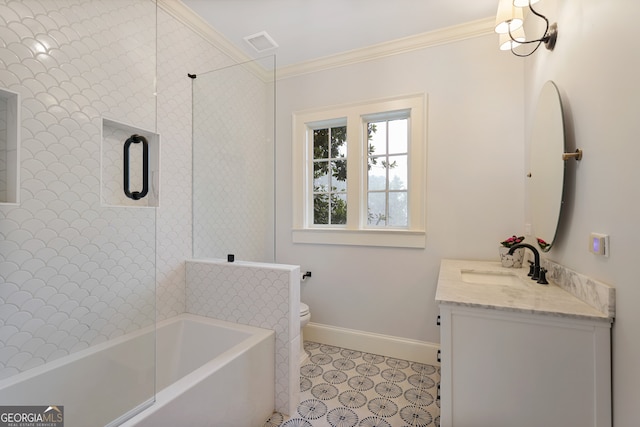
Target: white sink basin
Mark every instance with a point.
(491, 278)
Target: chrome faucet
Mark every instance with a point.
(538, 273)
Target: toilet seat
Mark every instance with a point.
(304, 309)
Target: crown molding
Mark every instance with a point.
(439, 37)
(189, 18)
(182, 13)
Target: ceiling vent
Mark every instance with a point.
(261, 41)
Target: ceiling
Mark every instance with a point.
(310, 29)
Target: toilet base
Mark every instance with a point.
(304, 319)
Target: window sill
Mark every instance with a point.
(383, 238)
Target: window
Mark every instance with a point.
(387, 161)
(330, 175)
(359, 174)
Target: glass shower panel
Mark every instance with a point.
(77, 274)
(233, 162)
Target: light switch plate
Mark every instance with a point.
(599, 244)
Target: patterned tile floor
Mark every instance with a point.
(348, 388)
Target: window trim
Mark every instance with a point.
(355, 231)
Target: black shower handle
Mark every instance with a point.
(135, 139)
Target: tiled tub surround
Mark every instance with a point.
(232, 160)
(256, 294)
(73, 274)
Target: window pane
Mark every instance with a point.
(330, 175)
(377, 174)
(397, 209)
(321, 144)
(339, 175)
(339, 142)
(338, 209)
(398, 136)
(321, 209)
(398, 172)
(320, 176)
(377, 134)
(376, 209)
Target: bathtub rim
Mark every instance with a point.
(73, 357)
(159, 397)
(256, 335)
(165, 396)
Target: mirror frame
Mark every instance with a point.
(547, 166)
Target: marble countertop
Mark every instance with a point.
(527, 297)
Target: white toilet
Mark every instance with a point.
(305, 316)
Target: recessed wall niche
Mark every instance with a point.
(9, 147)
(121, 143)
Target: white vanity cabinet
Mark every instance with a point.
(504, 368)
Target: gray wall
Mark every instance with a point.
(599, 83)
(475, 178)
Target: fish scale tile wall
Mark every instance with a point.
(257, 295)
(74, 273)
(4, 146)
(232, 211)
(180, 51)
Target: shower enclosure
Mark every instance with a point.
(233, 162)
(77, 258)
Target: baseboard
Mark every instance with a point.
(386, 345)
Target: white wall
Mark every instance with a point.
(475, 182)
(598, 79)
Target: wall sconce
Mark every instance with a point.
(509, 25)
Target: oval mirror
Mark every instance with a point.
(547, 166)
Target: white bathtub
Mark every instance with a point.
(209, 373)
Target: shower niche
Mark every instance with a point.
(130, 165)
(9, 147)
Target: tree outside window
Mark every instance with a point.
(330, 175)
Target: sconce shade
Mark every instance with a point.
(509, 21)
(506, 43)
(508, 18)
(524, 3)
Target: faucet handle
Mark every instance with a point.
(543, 277)
(531, 268)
